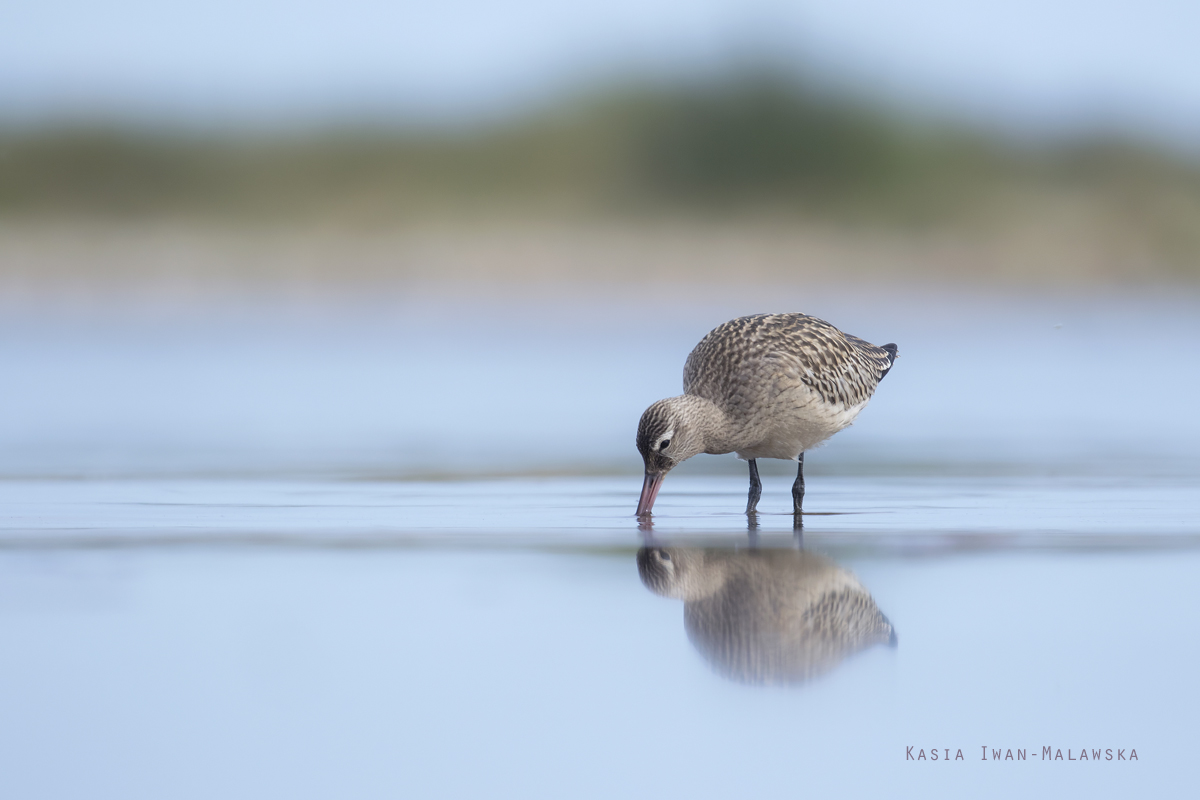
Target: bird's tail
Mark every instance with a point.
(893, 354)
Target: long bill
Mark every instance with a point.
(650, 489)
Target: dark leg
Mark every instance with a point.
(755, 488)
(798, 489)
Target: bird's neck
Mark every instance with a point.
(711, 424)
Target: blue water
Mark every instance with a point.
(295, 555)
(413, 387)
(425, 672)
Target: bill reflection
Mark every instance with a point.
(767, 616)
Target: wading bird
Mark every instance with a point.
(765, 386)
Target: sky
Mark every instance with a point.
(1041, 65)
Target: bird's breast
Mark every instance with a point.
(796, 420)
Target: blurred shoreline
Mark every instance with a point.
(751, 178)
(108, 261)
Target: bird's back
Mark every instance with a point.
(757, 350)
(790, 380)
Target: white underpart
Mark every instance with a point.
(808, 422)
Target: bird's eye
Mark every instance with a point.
(663, 555)
(663, 444)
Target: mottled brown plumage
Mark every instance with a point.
(767, 616)
(730, 363)
(765, 386)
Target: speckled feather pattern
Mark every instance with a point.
(786, 382)
(740, 362)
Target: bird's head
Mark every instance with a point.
(667, 435)
(685, 573)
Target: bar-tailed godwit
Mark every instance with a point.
(765, 386)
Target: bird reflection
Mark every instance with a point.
(766, 616)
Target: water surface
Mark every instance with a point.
(244, 670)
(384, 555)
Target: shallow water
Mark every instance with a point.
(412, 388)
(307, 639)
(905, 513)
(244, 672)
(227, 570)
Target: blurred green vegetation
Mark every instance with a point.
(750, 146)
